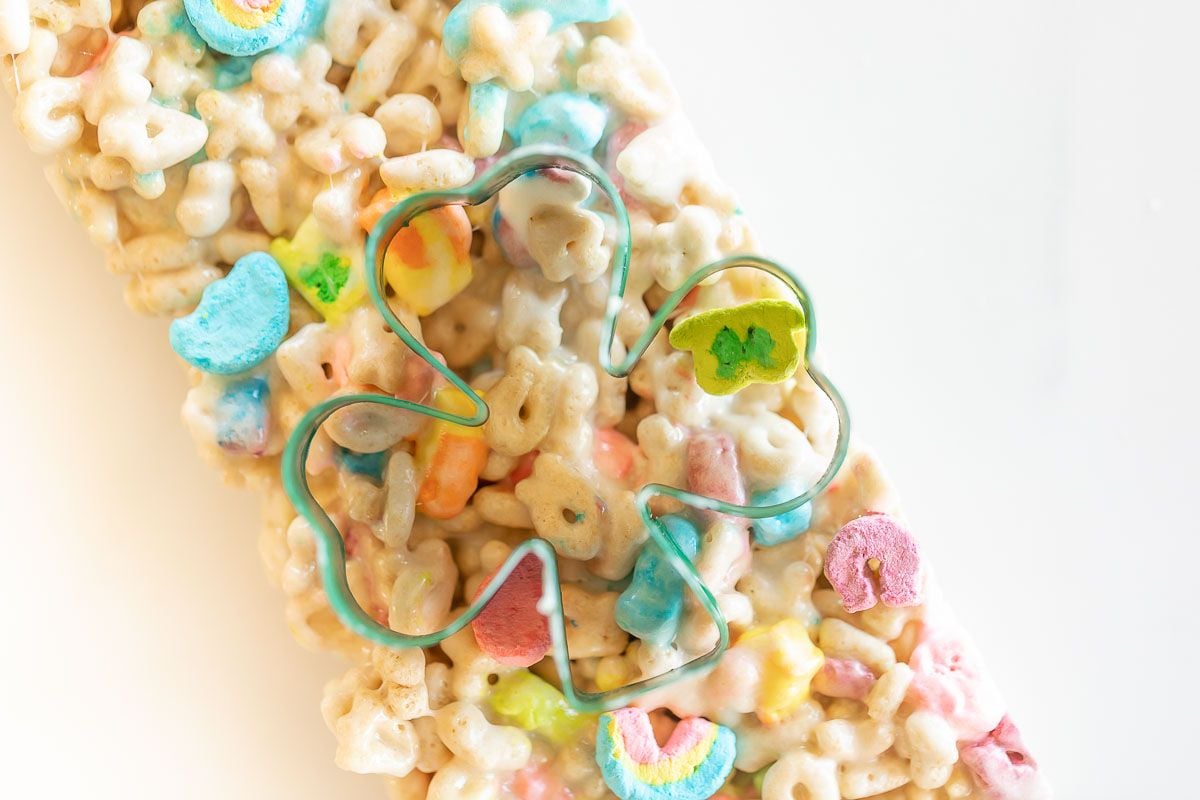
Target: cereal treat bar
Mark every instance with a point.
(542, 446)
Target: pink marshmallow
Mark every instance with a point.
(840, 677)
(1002, 767)
(510, 628)
(712, 465)
(949, 679)
(880, 537)
(535, 782)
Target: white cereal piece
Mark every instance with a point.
(628, 75)
(281, 189)
(235, 122)
(463, 329)
(427, 171)
(371, 427)
(370, 739)
(681, 246)
(175, 70)
(232, 243)
(932, 749)
(204, 207)
(307, 360)
(423, 75)
(338, 143)
(379, 355)
(611, 391)
(570, 433)
(565, 509)
(376, 68)
(400, 502)
(503, 48)
(32, 64)
(473, 670)
(522, 403)
(151, 137)
(840, 639)
(295, 88)
(676, 394)
(411, 122)
(458, 780)
(61, 16)
(155, 252)
(414, 784)
(592, 630)
(664, 444)
(817, 776)
(96, 210)
(121, 81)
(172, 292)
(773, 451)
(759, 745)
(854, 741)
(624, 533)
(467, 733)
(870, 779)
(501, 507)
(424, 589)
(668, 161)
(15, 28)
(336, 206)
(49, 115)
(885, 697)
(530, 307)
(111, 173)
(568, 243)
(432, 755)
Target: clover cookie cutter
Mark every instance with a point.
(330, 547)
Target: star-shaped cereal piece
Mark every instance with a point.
(235, 121)
(752, 343)
(681, 246)
(630, 76)
(503, 48)
(297, 87)
(121, 81)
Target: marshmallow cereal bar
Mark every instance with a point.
(542, 446)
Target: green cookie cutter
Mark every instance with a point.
(330, 548)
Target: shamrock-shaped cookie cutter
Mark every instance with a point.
(330, 547)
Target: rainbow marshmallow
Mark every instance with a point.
(244, 27)
(693, 764)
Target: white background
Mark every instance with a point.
(996, 206)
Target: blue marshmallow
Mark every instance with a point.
(569, 119)
(651, 606)
(370, 465)
(239, 321)
(771, 531)
(242, 417)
